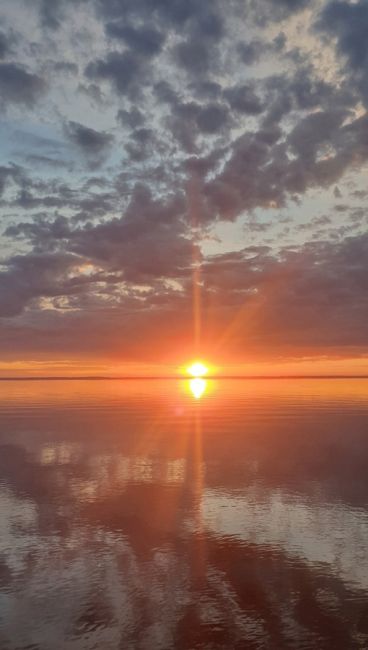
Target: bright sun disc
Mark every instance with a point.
(197, 369)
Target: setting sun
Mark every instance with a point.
(198, 369)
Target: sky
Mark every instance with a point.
(183, 179)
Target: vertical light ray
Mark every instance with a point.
(194, 211)
(246, 318)
(199, 550)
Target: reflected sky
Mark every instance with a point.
(155, 514)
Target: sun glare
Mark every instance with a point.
(198, 386)
(197, 369)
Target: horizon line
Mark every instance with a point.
(173, 377)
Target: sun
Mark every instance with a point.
(197, 369)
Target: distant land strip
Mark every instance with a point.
(180, 378)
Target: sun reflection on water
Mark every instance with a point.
(198, 387)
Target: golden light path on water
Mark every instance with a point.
(198, 387)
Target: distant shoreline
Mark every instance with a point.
(177, 378)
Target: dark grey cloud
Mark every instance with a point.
(18, 86)
(165, 93)
(43, 233)
(244, 99)
(145, 40)
(189, 120)
(67, 67)
(149, 241)
(291, 5)
(94, 93)
(315, 130)
(4, 45)
(212, 118)
(194, 55)
(52, 12)
(206, 90)
(93, 144)
(123, 69)
(172, 13)
(251, 52)
(348, 22)
(210, 24)
(132, 118)
(11, 174)
(33, 276)
(261, 171)
(268, 11)
(143, 144)
(246, 180)
(304, 90)
(198, 52)
(322, 286)
(35, 194)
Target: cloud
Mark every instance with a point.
(47, 161)
(145, 41)
(122, 69)
(212, 118)
(52, 12)
(32, 276)
(194, 56)
(4, 45)
(319, 285)
(176, 14)
(132, 118)
(194, 114)
(314, 130)
(245, 295)
(348, 22)
(94, 145)
(18, 86)
(261, 171)
(68, 67)
(251, 52)
(270, 11)
(11, 174)
(150, 241)
(244, 100)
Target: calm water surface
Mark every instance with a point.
(158, 514)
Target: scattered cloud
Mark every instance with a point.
(190, 131)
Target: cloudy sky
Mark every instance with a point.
(183, 177)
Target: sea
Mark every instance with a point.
(159, 514)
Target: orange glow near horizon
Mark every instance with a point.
(285, 367)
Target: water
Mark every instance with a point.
(158, 514)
